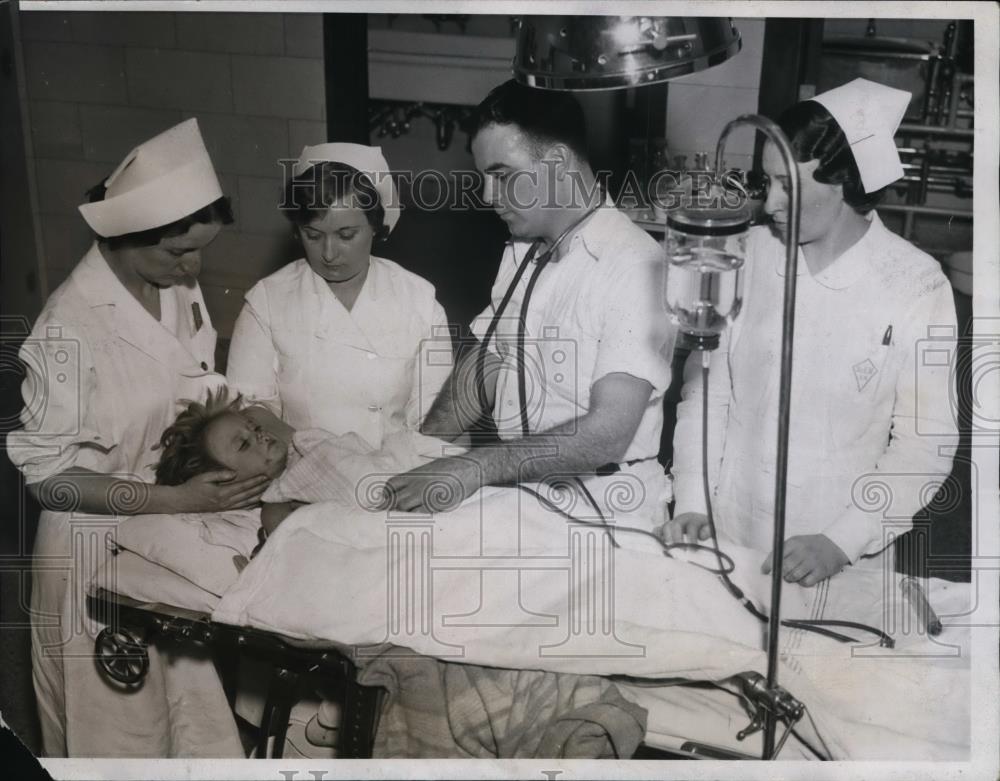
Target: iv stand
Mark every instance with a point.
(775, 135)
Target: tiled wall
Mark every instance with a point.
(100, 83)
(700, 105)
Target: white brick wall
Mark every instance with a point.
(304, 132)
(124, 29)
(76, 73)
(259, 199)
(165, 78)
(303, 36)
(46, 27)
(55, 129)
(232, 33)
(62, 184)
(100, 83)
(107, 130)
(245, 145)
(278, 85)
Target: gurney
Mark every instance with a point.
(120, 651)
(678, 673)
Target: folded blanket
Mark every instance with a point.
(436, 709)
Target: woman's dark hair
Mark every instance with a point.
(185, 454)
(311, 193)
(219, 210)
(815, 135)
(544, 116)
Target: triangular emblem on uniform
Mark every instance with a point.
(863, 373)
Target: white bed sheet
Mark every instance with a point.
(324, 575)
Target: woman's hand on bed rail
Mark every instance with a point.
(217, 491)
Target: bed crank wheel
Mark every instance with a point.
(122, 656)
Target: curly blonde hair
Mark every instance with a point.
(183, 443)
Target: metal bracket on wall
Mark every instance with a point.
(393, 118)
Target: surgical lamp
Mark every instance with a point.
(612, 52)
(704, 239)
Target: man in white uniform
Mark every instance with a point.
(872, 431)
(577, 303)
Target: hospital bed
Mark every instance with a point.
(120, 651)
(716, 707)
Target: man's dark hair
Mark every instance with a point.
(544, 116)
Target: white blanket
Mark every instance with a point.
(504, 581)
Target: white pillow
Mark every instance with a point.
(132, 576)
(201, 547)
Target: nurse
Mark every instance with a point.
(341, 339)
(869, 416)
(117, 345)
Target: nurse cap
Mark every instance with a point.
(159, 182)
(366, 159)
(869, 114)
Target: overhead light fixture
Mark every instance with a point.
(615, 52)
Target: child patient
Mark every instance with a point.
(305, 466)
(223, 434)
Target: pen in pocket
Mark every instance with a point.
(887, 336)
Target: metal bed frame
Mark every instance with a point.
(121, 653)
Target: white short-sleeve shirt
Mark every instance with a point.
(595, 311)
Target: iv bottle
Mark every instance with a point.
(705, 250)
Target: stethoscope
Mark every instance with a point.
(522, 390)
(540, 264)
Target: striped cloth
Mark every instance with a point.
(438, 709)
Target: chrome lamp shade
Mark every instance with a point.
(614, 52)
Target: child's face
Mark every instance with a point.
(241, 445)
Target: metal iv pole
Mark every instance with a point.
(774, 134)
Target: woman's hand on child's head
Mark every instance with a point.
(218, 490)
